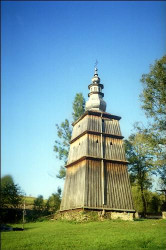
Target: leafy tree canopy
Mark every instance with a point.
(64, 131)
(53, 202)
(7, 179)
(141, 162)
(153, 100)
(39, 203)
(11, 194)
(153, 97)
(78, 106)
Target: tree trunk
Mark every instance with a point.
(143, 201)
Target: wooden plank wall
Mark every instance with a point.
(90, 145)
(83, 185)
(73, 193)
(117, 186)
(93, 185)
(113, 149)
(112, 127)
(93, 123)
(78, 149)
(80, 127)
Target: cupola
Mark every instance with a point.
(95, 95)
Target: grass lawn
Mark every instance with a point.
(106, 235)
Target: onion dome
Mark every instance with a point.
(95, 95)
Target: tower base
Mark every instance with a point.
(84, 214)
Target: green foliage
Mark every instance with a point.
(37, 215)
(153, 200)
(105, 235)
(53, 202)
(29, 200)
(39, 203)
(62, 172)
(137, 199)
(40, 209)
(78, 106)
(138, 154)
(64, 131)
(7, 179)
(153, 99)
(140, 157)
(162, 172)
(11, 194)
(62, 147)
(154, 205)
(153, 96)
(11, 215)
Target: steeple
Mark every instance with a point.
(95, 95)
(96, 170)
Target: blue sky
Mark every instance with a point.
(48, 55)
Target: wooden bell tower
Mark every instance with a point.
(97, 176)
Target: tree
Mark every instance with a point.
(78, 106)
(153, 200)
(141, 167)
(7, 179)
(39, 203)
(162, 172)
(153, 99)
(153, 96)
(54, 201)
(64, 131)
(62, 147)
(11, 194)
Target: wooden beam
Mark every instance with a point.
(100, 209)
(111, 209)
(96, 159)
(102, 162)
(96, 133)
(97, 113)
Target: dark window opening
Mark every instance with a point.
(111, 143)
(96, 141)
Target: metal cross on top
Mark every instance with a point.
(96, 67)
(96, 63)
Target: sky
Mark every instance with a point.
(48, 54)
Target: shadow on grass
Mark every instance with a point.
(9, 228)
(141, 219)
(29, 228)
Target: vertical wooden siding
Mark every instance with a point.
(118, 186)
(114, 149)
(117, 189)
(78, 149)
(83, 186)
(73, 194)
(93, 123)
(90, 145)
(112, 127)
(93, 185)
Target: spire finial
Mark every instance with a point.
(96, 63)
(96, 101)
